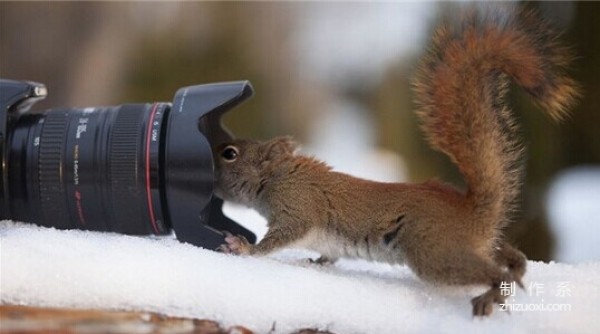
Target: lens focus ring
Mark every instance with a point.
(124, 178)
(52, 192)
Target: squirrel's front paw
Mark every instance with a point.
(238, 245)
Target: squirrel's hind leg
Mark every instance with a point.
(482, 271)
(468, 269)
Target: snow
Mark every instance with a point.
(48, 267)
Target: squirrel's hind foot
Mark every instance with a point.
(484, 305)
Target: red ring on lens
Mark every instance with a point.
(148, 178)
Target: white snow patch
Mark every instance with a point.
(47, 267)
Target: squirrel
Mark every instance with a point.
(444, 234)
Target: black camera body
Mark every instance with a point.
(135, 168)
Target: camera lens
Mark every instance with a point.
(92, 168)
(134, 168)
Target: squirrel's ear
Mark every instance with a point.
(280, 146)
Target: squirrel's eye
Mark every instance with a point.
(230, 153)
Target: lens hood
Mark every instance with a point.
(193, 129)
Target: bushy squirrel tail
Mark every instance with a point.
(460, 90)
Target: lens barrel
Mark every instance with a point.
(92, 168)
(134, 168)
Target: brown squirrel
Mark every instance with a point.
(445, 235)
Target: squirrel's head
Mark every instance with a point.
(243, 167)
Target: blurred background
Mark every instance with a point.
(334, 75)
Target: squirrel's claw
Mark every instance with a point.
(238, 245)
(224, 248)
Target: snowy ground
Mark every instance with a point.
(47, 267)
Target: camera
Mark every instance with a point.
(138, 169)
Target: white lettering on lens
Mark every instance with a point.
(82, 127)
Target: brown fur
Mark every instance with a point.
(443, 234)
